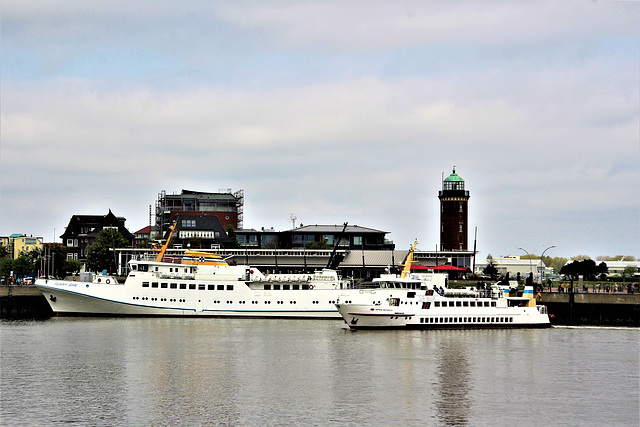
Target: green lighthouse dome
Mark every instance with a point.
(453, 182)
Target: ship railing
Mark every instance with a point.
(175, 276)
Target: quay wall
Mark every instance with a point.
(598, 309)
(23, 302)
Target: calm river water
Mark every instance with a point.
(250, 372)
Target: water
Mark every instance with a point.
(249, 372)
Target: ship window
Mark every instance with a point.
(221, 287)
(143, 267)
(145, 284)
(305, 287)
(173, 286)
(472, 303)
(211, 287)
(436, 304)
(493, 303)
(458, 303)
(192, 286)
(486, 303)
(510, 319)
(201, 287)
(276, 287)
(154, 284)
(465, 303)
(286, 287)
(267, 287)
(229, 287)
(164, 285)
(183, 286)
(296, 287)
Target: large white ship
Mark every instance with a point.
(203, 284)
(449, 309)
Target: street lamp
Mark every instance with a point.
(541, 262)
(530, 266)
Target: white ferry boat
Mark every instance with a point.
(448, 309)
(203, 284)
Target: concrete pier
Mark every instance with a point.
(598, 309)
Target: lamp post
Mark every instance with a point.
(541, 262)
(530, 265)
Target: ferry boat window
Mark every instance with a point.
(458, 303)
(305, 287)
(411, 294)
(229, 287)
(493, 303)
(164, 285)
(183, 286)
(173, 286)
(192, 286)
(493, 319)
(465, 304)
(474, 319)
(436, 304)
(286, 287)
(154, 284)
(486, 303)
(394, 302)
(445, 320)
(143, 267)
(276, 287)
(510, 319)
(267, 287)
(201, 287)
(221, 287)
(426, 305)
(296, 287)
(145, 284)
(211, 287)
(472, 303)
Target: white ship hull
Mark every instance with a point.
(467, 312)
(209, 298)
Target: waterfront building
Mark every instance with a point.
(82, 230)
(453, 214)
(225, 205)
(18, 243)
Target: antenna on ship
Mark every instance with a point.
(292, 218)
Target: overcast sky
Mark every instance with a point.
(334, 111)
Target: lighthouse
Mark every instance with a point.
(453, 213)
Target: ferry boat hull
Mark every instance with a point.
(421, 312)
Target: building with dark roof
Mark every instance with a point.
(82, 230)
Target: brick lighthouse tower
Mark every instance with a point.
(453, 213)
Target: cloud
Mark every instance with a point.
(334, 111)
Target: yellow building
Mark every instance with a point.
(18, 243)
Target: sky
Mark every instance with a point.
(331, 111)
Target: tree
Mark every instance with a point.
(586, 268)
(490, 270)
(24, 265)
(318, 245)
(100, 255)
(630, 271)
(6, 267)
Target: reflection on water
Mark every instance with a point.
(452, 389)
(306, 372)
